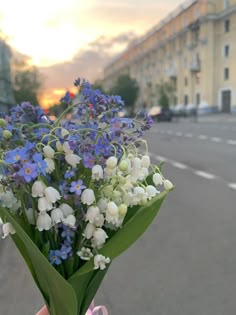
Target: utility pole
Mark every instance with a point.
(6, 89)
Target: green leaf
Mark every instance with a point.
(52, 285)
(129, 232)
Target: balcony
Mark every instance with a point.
(172, 73)
(195, 66)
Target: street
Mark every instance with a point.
(185, 264)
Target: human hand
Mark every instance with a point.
(43, 311)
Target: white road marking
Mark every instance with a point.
(205, 174)
(160, 158)
(179, 134)
(233, 142)
(179, 165)
(232, 185)
(202, 137)
(169, 132)
(188, 135)
(215, 139)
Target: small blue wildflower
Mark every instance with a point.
(65, 252)
(55, 257)
(66, 98)
(41, 164)
(77, 187)
(89, 160)
(28, 171)
(67, 233)
(15, 155)
(69, 174)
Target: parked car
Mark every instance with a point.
(161, 113)
(179, 111)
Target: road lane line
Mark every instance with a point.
(179, 165)
(215, 139)
(232, 142)
(160, 158)
(188, 135)
(205, 174)
(203, 137)
(232, 186)
(179, 134)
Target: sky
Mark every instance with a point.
(70, 38)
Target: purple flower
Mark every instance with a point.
(41, 164)
(77, 187)
(69, 173)
(28, 171)
(89, 160)
(15, 156)
(55, 257)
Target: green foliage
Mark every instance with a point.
(128, 89)
(166, 91)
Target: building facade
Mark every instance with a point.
(193, 49)
(6, 91)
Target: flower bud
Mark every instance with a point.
(111, 162)
(3, 123)
(51, 194)
(44, 222)
(7, 229)
(59, 146)
(38, 189)
(168, 185)
(123, 166)
(122, 210)
(57, 216)
(157, 179)
(6, 134)
(48, 152)
(88, 197)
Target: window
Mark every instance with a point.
(226, 51)
(185, 99)
(226, 4)
(198, 98)
(227, 26)
(226, 73)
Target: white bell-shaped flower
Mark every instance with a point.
(48, 152)
(44, 204)
(59, 146)
(66, 209)
(72, 159)
(66, 147)
(57, 216)
(102, 204)
(99, 238)
(52, 194)
(50, 165)
(44, 222)
(99, 220)
(122, 210)
(7, 229)
(136, 163)
(8, 199)
(100, 262)
(168, 185)
(157, 179)
(151, 191)
(123, 166)
(111, 162)
(85, 253)
(64, 132)
(70, 220)
(88, 197)
(89, 231)
(91, 214)
(32, 216)
(145, 161)
(97, 172)
(38, 188)
(112, 213)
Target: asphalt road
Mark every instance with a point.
(185, 264)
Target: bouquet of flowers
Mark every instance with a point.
(75, 194)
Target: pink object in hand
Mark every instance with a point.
(43, 311)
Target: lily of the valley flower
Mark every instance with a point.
(151, 191)
(168, 185)
(51, 194)
(44, 204)
(145, 161)
(99, 238)
(66, 209)
(97, 172)
(89, 231)
(38, 189)
(112, 213)
(88, 197)
(157, 179)
(111, 162)
(50, 165)
(100, 262)
(7, 229)
(57, 216)
(85, 253)
(91, 214)
(48, 152)
(44, 222)
(69, 220)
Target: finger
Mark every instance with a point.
(43, 311)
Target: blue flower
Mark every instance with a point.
(15, 156)
(28, 171)
(55, 257)
(89, 160)
(77, 187)
(69, 174)
(41, 164)
(65, 252)
(67, 233)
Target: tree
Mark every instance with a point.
(128, 89)
(27, 82)
(166, 91)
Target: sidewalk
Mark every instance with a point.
(214, 118)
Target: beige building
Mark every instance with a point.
(193, 49)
